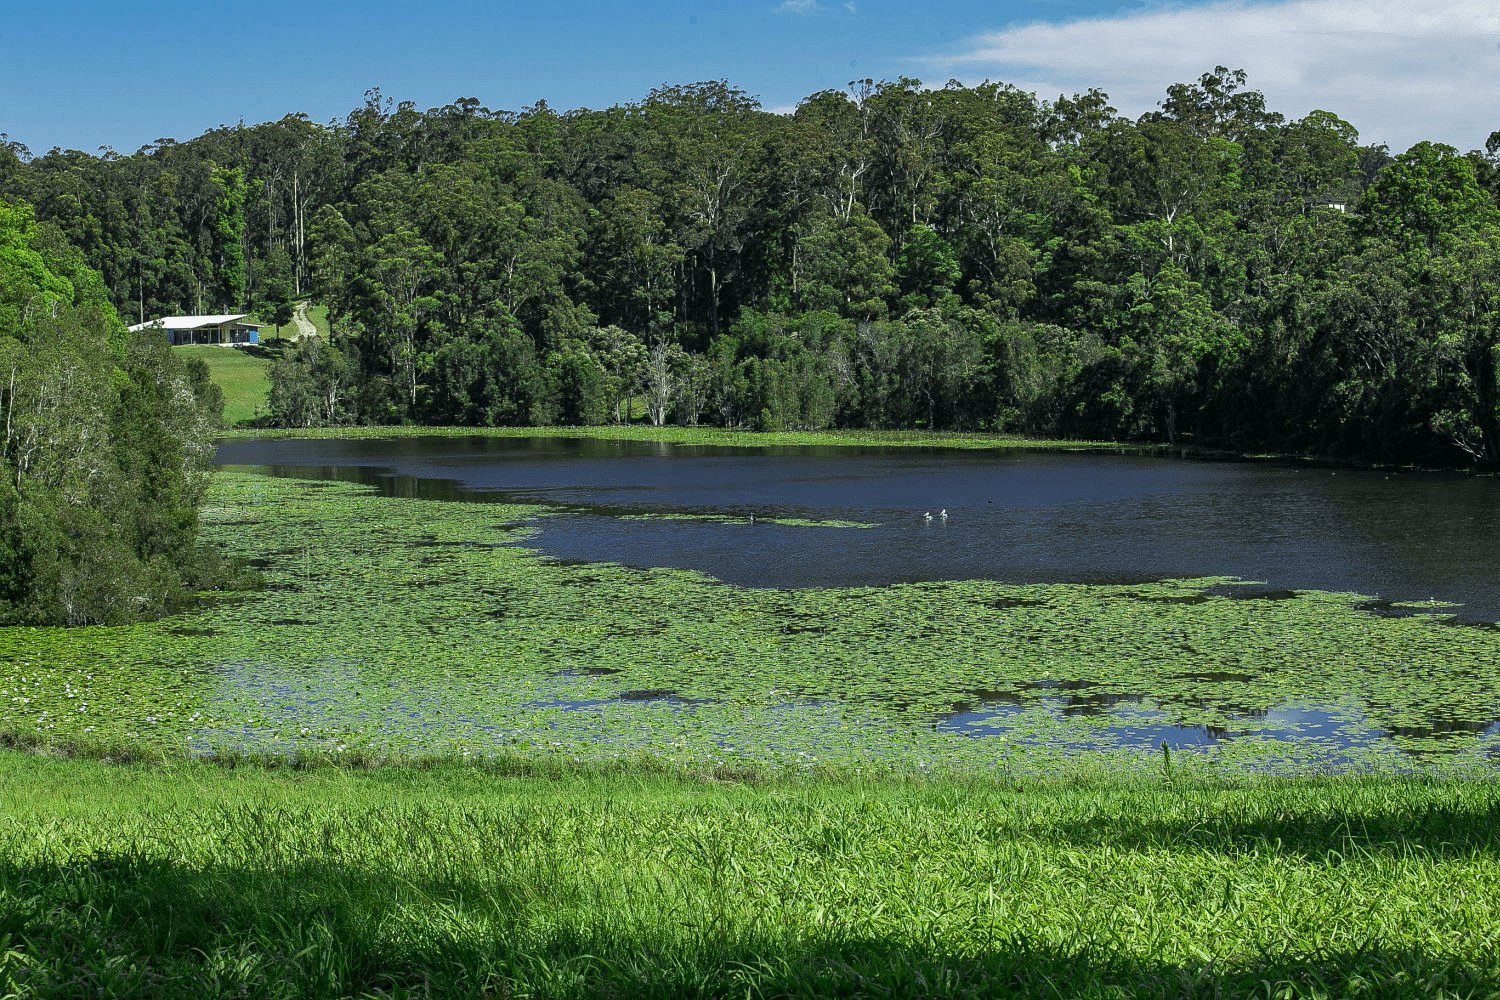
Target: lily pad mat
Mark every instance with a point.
(414, 626)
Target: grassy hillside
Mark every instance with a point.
(317, 315)
(243, 374)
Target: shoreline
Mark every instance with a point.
(718, 437)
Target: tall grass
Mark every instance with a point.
(190, 880)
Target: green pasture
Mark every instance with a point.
(242, 372)
(196, 881)
(317, 315)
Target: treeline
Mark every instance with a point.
(105, 447)
(886, 256)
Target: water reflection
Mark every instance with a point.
(1146, 722)
(1149, 726)
(338, 705)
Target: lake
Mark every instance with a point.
(1013, 516)
(862, 626)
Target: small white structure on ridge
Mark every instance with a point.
(224, 330)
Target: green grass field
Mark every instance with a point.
(243, 374)
(317, 315)
(194, 880)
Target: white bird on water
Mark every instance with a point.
(927, 516)
(944, 514)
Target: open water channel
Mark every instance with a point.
(1011, 516)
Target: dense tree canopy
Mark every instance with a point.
(106, 440)
(884, 256)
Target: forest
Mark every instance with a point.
(1211, 274)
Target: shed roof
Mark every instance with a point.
(191, 322)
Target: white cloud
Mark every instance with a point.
(803, 7)
(849, 6)
(1399, 71)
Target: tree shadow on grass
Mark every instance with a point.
(132, 926)
(269, 349)
(1461, 825)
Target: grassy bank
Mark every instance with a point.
(698, 436)
(720, 437)
(196, 882)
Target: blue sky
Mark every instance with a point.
(94, 74)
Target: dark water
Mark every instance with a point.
(1014, 517)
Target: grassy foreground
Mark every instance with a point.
(197, 881)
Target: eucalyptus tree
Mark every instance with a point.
(838, 132)
(636, 261)
(538, 250)
(1217, 106)
(594, 152)
(661, 378)
(228, 246)
(332, 255)
(1465, 312)
(795, 165)
(621, 355)
(694, 389)
(13, 155)
(274, 287)
(1317, 156)
(1009, 193)
(708, 139)
(292, 160)
(910, 129)
(398, 275)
